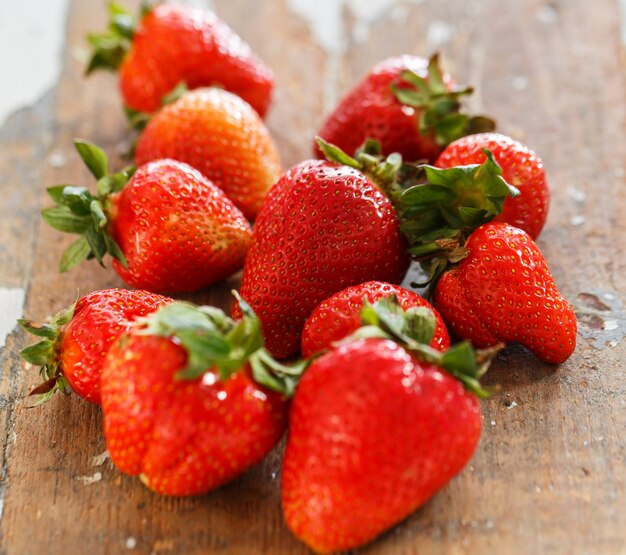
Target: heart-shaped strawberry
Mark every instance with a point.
(503, 291)
(374, 433)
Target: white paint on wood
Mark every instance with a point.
(88, 480)
(11, 306)
(205, 4)
(438, 33)
(32, 34)
(622, 9)
(327, 21)
(328, 24)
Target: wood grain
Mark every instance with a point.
(549, 473)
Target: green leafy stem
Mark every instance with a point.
(79, 211)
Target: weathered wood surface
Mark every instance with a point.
(549, 473)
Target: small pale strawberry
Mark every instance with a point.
(221, 136)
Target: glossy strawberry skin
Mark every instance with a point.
(99, 319)
(177, 230)
(370, 110)
(183, 437)
(373, 434)
(339, 316)
(503, 291)
(175, 44)
(451, 299)
(220, 135)
(521, 167)
(322, 228)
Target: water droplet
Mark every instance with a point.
(547, 14)
(57, 159)
(519, 82)
(438, 33)
(578, 220)
(576, 194)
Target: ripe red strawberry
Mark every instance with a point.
(521, 167)
(374, 432)
(502, 290)
(324, 226)
(181, 407)
(172, 44)
(340, 315)
(167, 227)
(77, 339)
(406, 103)
(220, 135)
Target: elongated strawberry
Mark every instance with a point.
(167, 227)
(502, 291)
(170, 44)
(75, 342)
(220, 135)
(406, 103)
(376, 427)
(323, 227)
(183, 409)
(521, 167)
(340, 315)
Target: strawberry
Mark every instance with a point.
(502, 290)
(521, 167)
(323, 226)
(340, 315)
(490, 280)
(77, 339)
(376, 428)
(220, 135)
(406, 103)
(183, 406)
(171, 44)
(167, 227)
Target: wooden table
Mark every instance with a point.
(549, 473)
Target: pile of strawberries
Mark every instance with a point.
(381, 411)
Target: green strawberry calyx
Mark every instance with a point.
(45, 353)
(214, 341)
(79, 211)
(368, 159)
(413, 329)
(111, 45)
(438, 215)
(439, 105)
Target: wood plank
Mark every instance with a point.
(549, 473)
